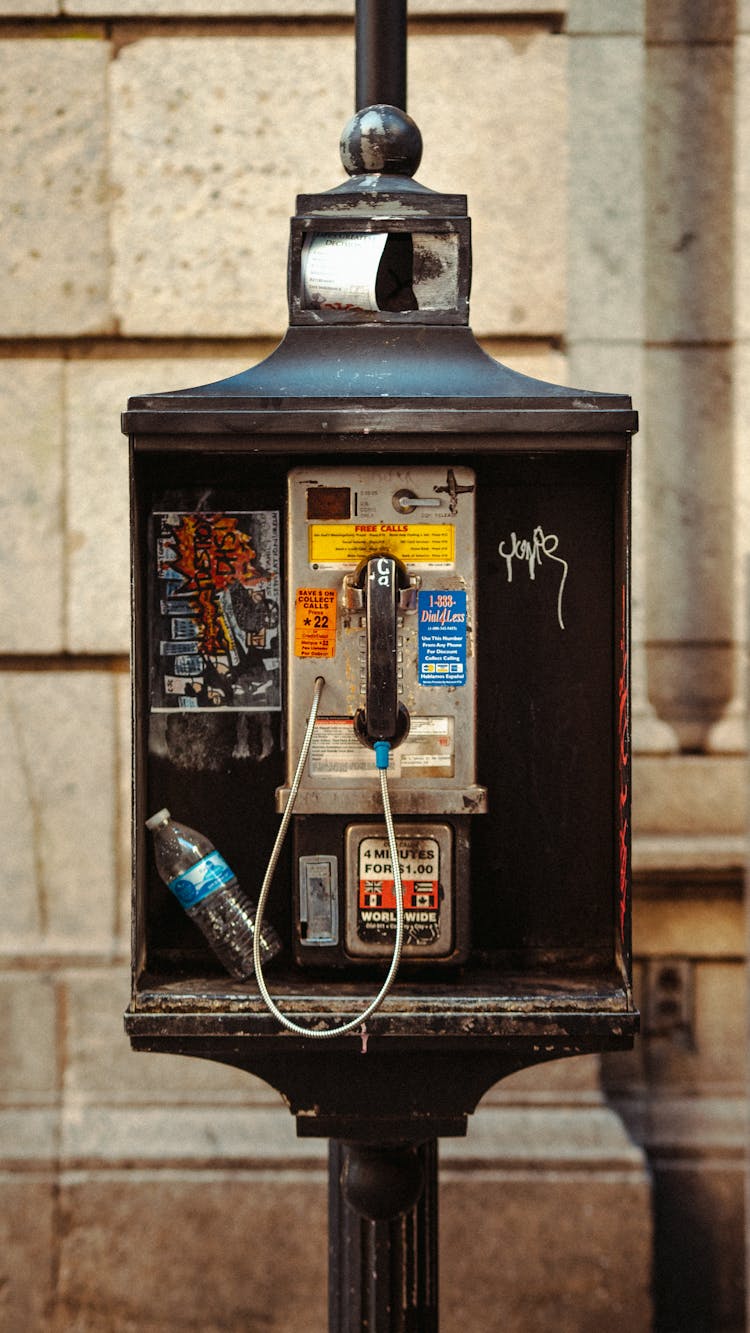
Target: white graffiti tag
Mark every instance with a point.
(532, 552)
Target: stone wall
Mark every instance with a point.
(152, 152)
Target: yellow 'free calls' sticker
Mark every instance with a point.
(414, 543)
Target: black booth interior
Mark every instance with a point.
(547, 889)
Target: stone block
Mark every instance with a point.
(567, 1081)
(680, 1125)
(525, 1250)
(102, 1068)
(689, 533)
(614, 366)
(721, 1022)
(57, 819)
(605, 281)
(508, 153)
(239, 1250)
(208, 157)
(31, 504)
(600, 17)
(742, 178)
(27, 1223)
(204, 1133)
(690, 927)
(28, 1037)
(29, 1137)
(715, 857)
(689, 172)
(23, 888)
(28, 9)
(98, 508)
(54, 273)
(546, 1138)
(540, 360)
(699, 21)
(98, 591)
(741, 390)
(689, 1111)
(689, 794)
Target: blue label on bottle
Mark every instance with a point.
(203, 878)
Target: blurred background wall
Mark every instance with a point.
(151, 153)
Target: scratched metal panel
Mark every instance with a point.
(544, 871)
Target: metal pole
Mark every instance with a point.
(383, 1237)
(380, 30)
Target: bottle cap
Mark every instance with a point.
(160, 817)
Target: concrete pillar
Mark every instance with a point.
(689, 323)
(729, 733)
(606, 279)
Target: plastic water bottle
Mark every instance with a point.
(207, 888)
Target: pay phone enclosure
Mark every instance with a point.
(546, 866)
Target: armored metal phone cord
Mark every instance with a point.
(381, 756)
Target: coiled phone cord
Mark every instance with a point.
(353, 1023)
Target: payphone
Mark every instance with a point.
(381, 607)
(381, 603)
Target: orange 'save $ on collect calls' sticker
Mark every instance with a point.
(315, 622)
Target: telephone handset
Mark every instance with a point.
(382, 718)
(381, 605)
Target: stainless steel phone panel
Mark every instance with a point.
(424, 516)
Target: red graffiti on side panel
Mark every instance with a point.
(623, 768)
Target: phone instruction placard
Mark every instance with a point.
(335, 751)
(441, 623)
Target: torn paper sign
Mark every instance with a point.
(339, 271)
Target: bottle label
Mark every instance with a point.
(207, 875)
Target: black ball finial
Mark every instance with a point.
(381, 139)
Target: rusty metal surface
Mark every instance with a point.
(380, 1091)
(381, 379)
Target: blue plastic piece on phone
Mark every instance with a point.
(382, 751)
